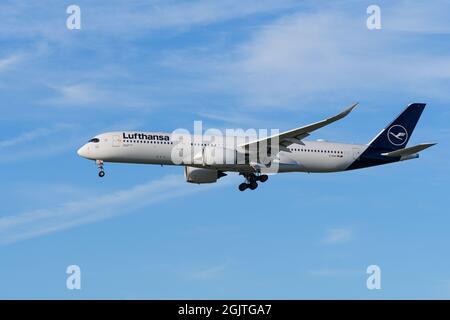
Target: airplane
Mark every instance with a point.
(286, 151)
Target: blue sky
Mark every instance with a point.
(142, 232)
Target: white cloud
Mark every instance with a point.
(33, 135)
(46, 18)
(327, 272)
(39, 222)
(417, 17)
(77, 94)
(332, 55)
(209, 273)
(321, 57)
(338, 235)
(96, 97)
(178, 14)
(9, 61)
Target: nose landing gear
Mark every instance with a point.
(99, 164)
(252, 181)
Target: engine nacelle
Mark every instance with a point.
(201, 175)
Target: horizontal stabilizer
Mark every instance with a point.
(408, 151)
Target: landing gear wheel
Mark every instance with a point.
(99, 164)
(253, 185)
(263, 178)
(252, 178)
(242, 187)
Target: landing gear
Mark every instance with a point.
(243, 186)
(252, 181)
(99, 164)
(263, 178)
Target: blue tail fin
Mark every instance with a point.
(396, 135)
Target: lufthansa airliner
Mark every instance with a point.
(207, 158)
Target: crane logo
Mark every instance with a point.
(397, 135)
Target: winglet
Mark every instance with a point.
(353, 107)
(344, 113)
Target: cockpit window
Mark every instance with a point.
(94, 140)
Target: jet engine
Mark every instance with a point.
(201, 175)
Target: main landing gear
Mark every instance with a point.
(252, 181)
(99, 164)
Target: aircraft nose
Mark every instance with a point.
(82, 152)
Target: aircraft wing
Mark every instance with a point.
(408, 151)
(296, 135)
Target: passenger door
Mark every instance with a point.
(116, 141)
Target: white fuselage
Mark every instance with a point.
(158, 148)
